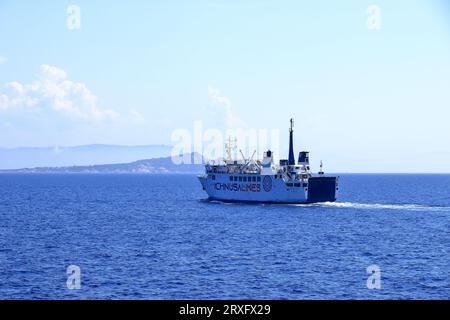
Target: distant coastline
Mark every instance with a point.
(85, 155)
(163, 165)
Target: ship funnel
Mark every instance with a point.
(303, 158)
(291, 160)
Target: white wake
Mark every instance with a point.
(414, 207)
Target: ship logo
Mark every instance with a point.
(267, 183)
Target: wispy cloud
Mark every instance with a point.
(53, 91)
(224, 109)
(136, 117)
(3, 59)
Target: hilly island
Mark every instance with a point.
(162, 165)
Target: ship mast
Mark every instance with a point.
(230, 147)
(321, 168)
(291, 161)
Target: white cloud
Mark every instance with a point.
(3, 60)
(136, 116)
(53, 91)
(53, 73)
(225, 109)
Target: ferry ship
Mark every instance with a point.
(264, 181)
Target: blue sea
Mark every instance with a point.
(157, 237)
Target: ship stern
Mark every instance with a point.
(322, 189)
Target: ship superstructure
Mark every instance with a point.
(251, 180)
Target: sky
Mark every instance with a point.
(365, 97)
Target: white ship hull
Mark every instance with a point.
(269, 189)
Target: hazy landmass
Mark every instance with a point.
(86, 155)
(148, 166)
